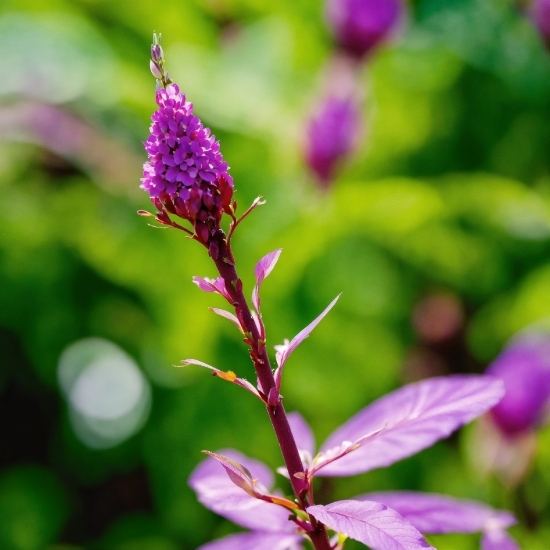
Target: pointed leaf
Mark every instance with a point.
(409, 420)
(263, 268)
(496, 539)
(238, 474)
(218, 493)
(438, 514)
(283, 352)
(227, 315)
(213, 285)
(256, 541)
(229, 376)
(371, 523)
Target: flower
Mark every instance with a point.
(360, 25)
(394, 427)
(330, 136)
(524, 367)
(186, 173)
(504, 441)
(539, 12)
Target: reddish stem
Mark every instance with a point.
(277, 415)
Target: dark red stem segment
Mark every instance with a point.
(226, 268)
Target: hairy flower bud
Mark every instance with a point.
(359, 26)
(330, 136)
(155, 69)
(186, 173)
(156, 52)
(539, 12)
(524, 366)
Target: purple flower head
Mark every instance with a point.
(360, 25)
(394, 427)
(524, 366)
(330, 136)
(539, 12)
(186, 173)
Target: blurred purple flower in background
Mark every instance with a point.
(359, 26)
(186, 173)
(504, 441)
(539, 12)
(524, 366)
(331, 135)
(394, 427)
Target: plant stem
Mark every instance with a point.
(262, 366)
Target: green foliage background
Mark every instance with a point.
(449, 192)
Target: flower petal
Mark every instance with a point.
(439, 514)
(218, 493)
(371, 523)
(263, 268)
(409, 420)
(305, 440)
(286, 350)
(256, 541)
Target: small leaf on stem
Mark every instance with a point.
(284, 351)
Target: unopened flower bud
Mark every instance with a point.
(524, 366)
(359, 26)
(157, 73)
(156, 53)
(330, 136)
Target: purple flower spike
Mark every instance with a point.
(186, 174)
(539, 12)
(524, 366)
(330, 136)
(359, 26)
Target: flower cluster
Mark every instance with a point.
(524, 366)
(504, 442)
(331, 134)
(360, 25)
(186, 174)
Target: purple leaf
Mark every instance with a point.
(218, 493)
(239, 475)
(438, 514)
(213, 285)
(256, 541)
(263, 268)
(496, 539)
(305, 440)
(371, 523)
(409, 420)
(227, 315)
(284, 351)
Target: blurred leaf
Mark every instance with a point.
(33, 508)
